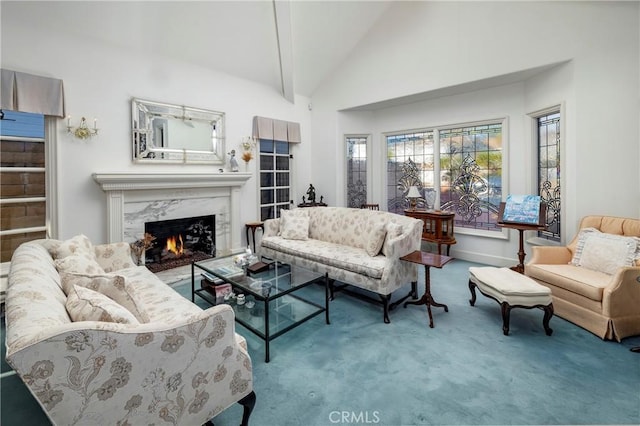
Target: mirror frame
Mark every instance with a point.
(143, 115)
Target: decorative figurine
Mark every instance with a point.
(310, 200)
(233, 163)
(311, 192)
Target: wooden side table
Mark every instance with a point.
(428, 260)
(253, 226)
(438, 227)
(521, 228)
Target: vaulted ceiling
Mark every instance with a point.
(289, 45)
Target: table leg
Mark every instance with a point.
(521, 254)
(193, 283)
(426, 298)
(326, 297)
(266, 330)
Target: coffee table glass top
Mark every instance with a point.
(276, 299)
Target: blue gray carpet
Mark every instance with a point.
(464, 371)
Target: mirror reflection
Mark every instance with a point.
(176, 133)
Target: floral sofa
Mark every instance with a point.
(357, 247)
(99, 341)
(595, 279)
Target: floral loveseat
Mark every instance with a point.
(357, 247)
(595, 280)
(122, 347)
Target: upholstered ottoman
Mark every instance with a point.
(511, 290)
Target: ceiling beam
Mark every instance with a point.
(282, 13)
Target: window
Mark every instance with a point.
(548, 126)
(275, 178)
(471, 174)
(464, 162)
(23, 195)
(410, 159)
(356, 170)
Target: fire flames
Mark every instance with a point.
(175, 245)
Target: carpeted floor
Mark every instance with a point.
(464, 371)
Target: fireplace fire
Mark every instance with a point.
(180, 241)
(175, 245)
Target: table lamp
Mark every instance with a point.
(413, 195)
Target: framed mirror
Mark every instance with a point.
(166, 133)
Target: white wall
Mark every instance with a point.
(99, 81)
(422, 47)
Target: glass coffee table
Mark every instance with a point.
(273, 300)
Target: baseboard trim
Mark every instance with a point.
(485, 259)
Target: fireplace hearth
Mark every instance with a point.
(180, 241)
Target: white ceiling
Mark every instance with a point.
(292, 50)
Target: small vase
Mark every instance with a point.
(246, 166)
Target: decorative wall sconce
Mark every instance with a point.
(413, 196)
(82, 131)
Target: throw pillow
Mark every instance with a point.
(115, 287)
(79, 262)
(113, 257)
(376, 239)
(78, 244)
(604, 252)
(294, 227)
(393, 230)
(84, 304)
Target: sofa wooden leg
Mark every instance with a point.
(331, 285)
(248, 402)
(548, 313)
(472, 289)
(506, 311)
(385, 305)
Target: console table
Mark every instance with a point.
(438, 227)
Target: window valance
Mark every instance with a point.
(279, 130)
(32, 93)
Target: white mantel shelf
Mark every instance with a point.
(122, 181)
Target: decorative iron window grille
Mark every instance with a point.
(549, 173)
(356, 170)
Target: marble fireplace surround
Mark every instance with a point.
(135, 198)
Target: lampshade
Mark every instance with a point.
(413, 192)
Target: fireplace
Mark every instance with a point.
(180, 241)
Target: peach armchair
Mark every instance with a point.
(605, 303)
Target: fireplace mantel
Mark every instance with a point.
(159, 180)
(130, 195)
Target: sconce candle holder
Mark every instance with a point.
(83, 131)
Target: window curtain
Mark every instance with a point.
(32, 93)
(279, 130)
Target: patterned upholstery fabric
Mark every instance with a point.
(113, 286)
(337, 243)
(84, 304)
(183, 367)
(112, 257)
